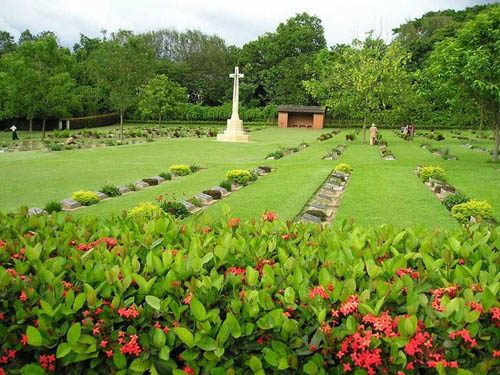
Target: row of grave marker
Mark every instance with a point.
(70, 204)
(327, 199)
(207, 200)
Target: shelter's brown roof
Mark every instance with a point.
(301, 109)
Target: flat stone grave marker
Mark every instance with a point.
(174, 176)
(69, 204)
(159, 178)
(390, 157)
(325, 197)
(36, 211)
(101, 195)
(235, 186)
(151, 181)
(123, 189)
(205, 198)
(260, 172)
(448, 188)
(318, 206)
(223, 191)
(311, 218)
(191, 207)
(141, 185)
(333, 186)
(338, 175)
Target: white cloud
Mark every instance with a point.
(236, 21)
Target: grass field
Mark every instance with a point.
(379, 192)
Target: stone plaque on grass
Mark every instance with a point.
(188, 205)
(235, 186)
(318, 206)
(325, 197)
(311, 218)
(69, 204)
(36, 211)
(123, 189)
(150, 181)
(101, 195)
(159, 178)
(260, 172)
(221, 189)
(141, 185)
(205, 198)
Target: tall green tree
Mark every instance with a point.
(7, 43)
(121, 65)
(161, 97)
(365, 79)
(39, 77)
(274, 64)
(469, 62)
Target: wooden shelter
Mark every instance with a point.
(295, 116)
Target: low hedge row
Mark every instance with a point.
(134, 295)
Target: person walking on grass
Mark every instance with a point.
(14, 133)
(373, 134)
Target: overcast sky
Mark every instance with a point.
(236, 21)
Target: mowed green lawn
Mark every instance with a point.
(379, 192)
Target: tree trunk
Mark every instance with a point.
(43, 128)
(159, 120)
(121, 125)
(31, 124)
(497, 142)
(364, 129)
(481, 123)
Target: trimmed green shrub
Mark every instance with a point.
(226, 185)
(145, 209)
(195, 201)
(53, 206)
(239, 176)
(480, 210)
(268, 297)
(454, 199)
(180, 170)
(86, 198)
(436, 173)
(166, 176)
(275, 154)
(110, 190)
(343, 167)
(131, 187)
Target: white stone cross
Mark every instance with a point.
(236, 86)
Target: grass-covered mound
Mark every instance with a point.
(152, 295)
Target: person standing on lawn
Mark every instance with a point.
(13, 128)
(373, 134)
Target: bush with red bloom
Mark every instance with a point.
(233, 223)
(131, 347)
(269, 216)
(128, 313)
(350, 306)
(407, 271)
(465, 335)
(318, 291)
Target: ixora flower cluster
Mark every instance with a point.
(155, 295)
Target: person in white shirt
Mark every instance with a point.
(14, 133)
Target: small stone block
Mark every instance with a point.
(235, 186)
(69, 204)
(205, 198)
(311, 218)
(448, 188)
(101, 196)
(325, 197)
(188, 205)
(141, 185)
(123, 189)
(151, 181)
(260, 172)
(221, 189)
(159, 178)
(36, 211)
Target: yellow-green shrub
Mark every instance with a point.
(343, 167)
(85, 198)
(481, 210)
(436, 173)
(180, 170)
(146, 209)
(239, 176)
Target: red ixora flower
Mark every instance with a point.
(23, 297)
(2, 243)
(233, 223)
(286, 237)
(350, 306)
(188, 370)
(128, 313)
(187, 300)
(465, 335)
(269, 216)
(207, 230)
(407, 271)
(132, 347)
(318, 291)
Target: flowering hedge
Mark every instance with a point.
(133, 295)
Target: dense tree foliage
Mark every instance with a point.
(440, 69)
